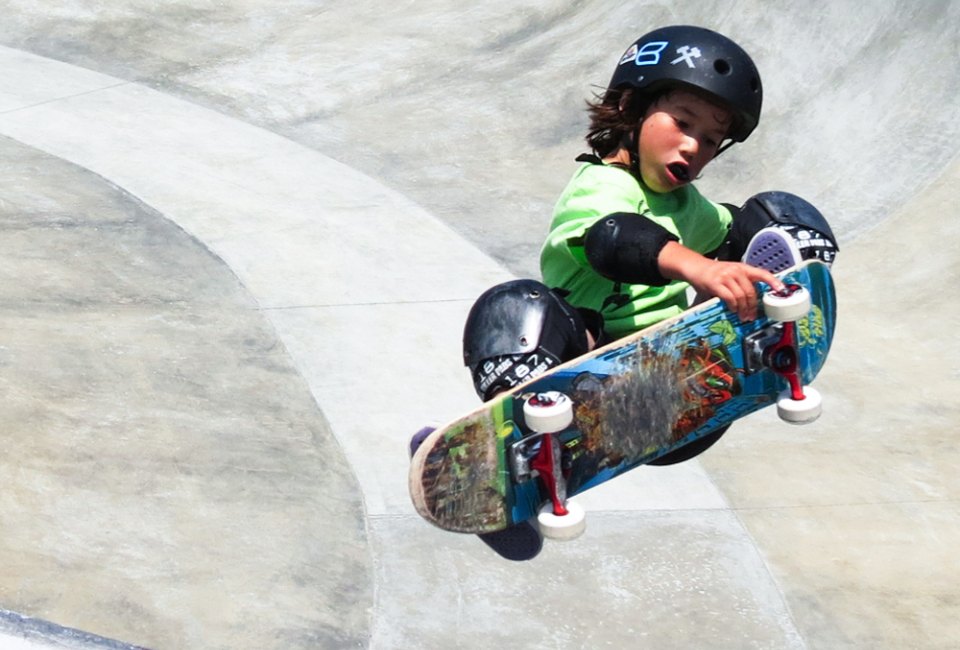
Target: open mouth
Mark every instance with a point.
(679, 171)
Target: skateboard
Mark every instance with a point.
(658, 396)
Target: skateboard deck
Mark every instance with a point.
(633, 401)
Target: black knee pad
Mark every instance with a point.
(801, 219)
(518, 330)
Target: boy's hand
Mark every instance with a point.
(732, 282)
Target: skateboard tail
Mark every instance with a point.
(459, 478)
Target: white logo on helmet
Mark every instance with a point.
(687, 55)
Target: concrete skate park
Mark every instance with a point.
(239, 244)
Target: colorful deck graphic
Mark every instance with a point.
(634, 400)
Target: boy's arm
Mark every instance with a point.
(732, 282)
(628, 248)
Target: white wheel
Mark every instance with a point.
(562, 527)
(787, 308)
(801, 411)
(548, 412)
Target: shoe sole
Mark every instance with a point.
(773, 250)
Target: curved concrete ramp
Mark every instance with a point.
(163, 457)
(241, 241)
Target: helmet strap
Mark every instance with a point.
(726, 145)
(631, 142)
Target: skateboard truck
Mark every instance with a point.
(547, 414)
(547, 465)
(776, 348)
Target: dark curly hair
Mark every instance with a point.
(614, 116)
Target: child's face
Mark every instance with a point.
(680, 134)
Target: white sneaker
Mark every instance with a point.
(773, 249)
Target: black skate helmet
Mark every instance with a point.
(699, 59)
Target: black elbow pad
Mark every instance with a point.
(624, 247)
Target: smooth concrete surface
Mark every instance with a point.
(239, 243)
(162, 454)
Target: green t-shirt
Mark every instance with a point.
(596, 191)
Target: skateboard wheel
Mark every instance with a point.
(801, 411)
(787, 307)
(548, 412)
(562, 527)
